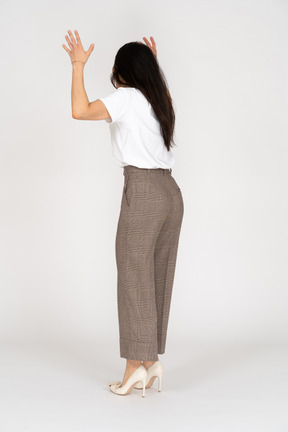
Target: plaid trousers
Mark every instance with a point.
(146, 250)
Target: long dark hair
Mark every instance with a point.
(139, 68)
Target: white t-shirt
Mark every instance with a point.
(135, 131)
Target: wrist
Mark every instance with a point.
(78, 63)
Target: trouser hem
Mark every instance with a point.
(133, 350)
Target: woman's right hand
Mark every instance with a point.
(151, 46)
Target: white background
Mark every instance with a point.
(226, 63)
(226, 67)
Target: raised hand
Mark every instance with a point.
(151, 45)
(77, 52)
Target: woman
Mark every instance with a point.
(141, 118)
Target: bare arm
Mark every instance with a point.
(79, 98)
(82, 109)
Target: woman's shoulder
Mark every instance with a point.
(133, 96)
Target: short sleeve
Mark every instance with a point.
(117, 104)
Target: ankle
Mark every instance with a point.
(133, 364)
(148, 363)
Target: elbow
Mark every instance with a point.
(75, 115)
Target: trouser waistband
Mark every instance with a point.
(128, 169)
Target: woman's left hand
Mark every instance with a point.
(77, 51)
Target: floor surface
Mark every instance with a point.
(63, 388)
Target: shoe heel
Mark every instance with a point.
(159, 382)
(143, 390)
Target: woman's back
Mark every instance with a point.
(135, 131)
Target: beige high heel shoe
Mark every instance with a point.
(154, 371)
(138, 375)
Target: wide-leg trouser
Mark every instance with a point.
(146, 250)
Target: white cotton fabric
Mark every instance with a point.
(135, 131)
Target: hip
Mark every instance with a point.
(150, 186)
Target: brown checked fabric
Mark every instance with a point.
(146, 250)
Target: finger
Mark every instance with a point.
(66, 49)
(147, 42)
(153, 41)
(69, 42)
(78, 39)
(90, 49)
(72, 37)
